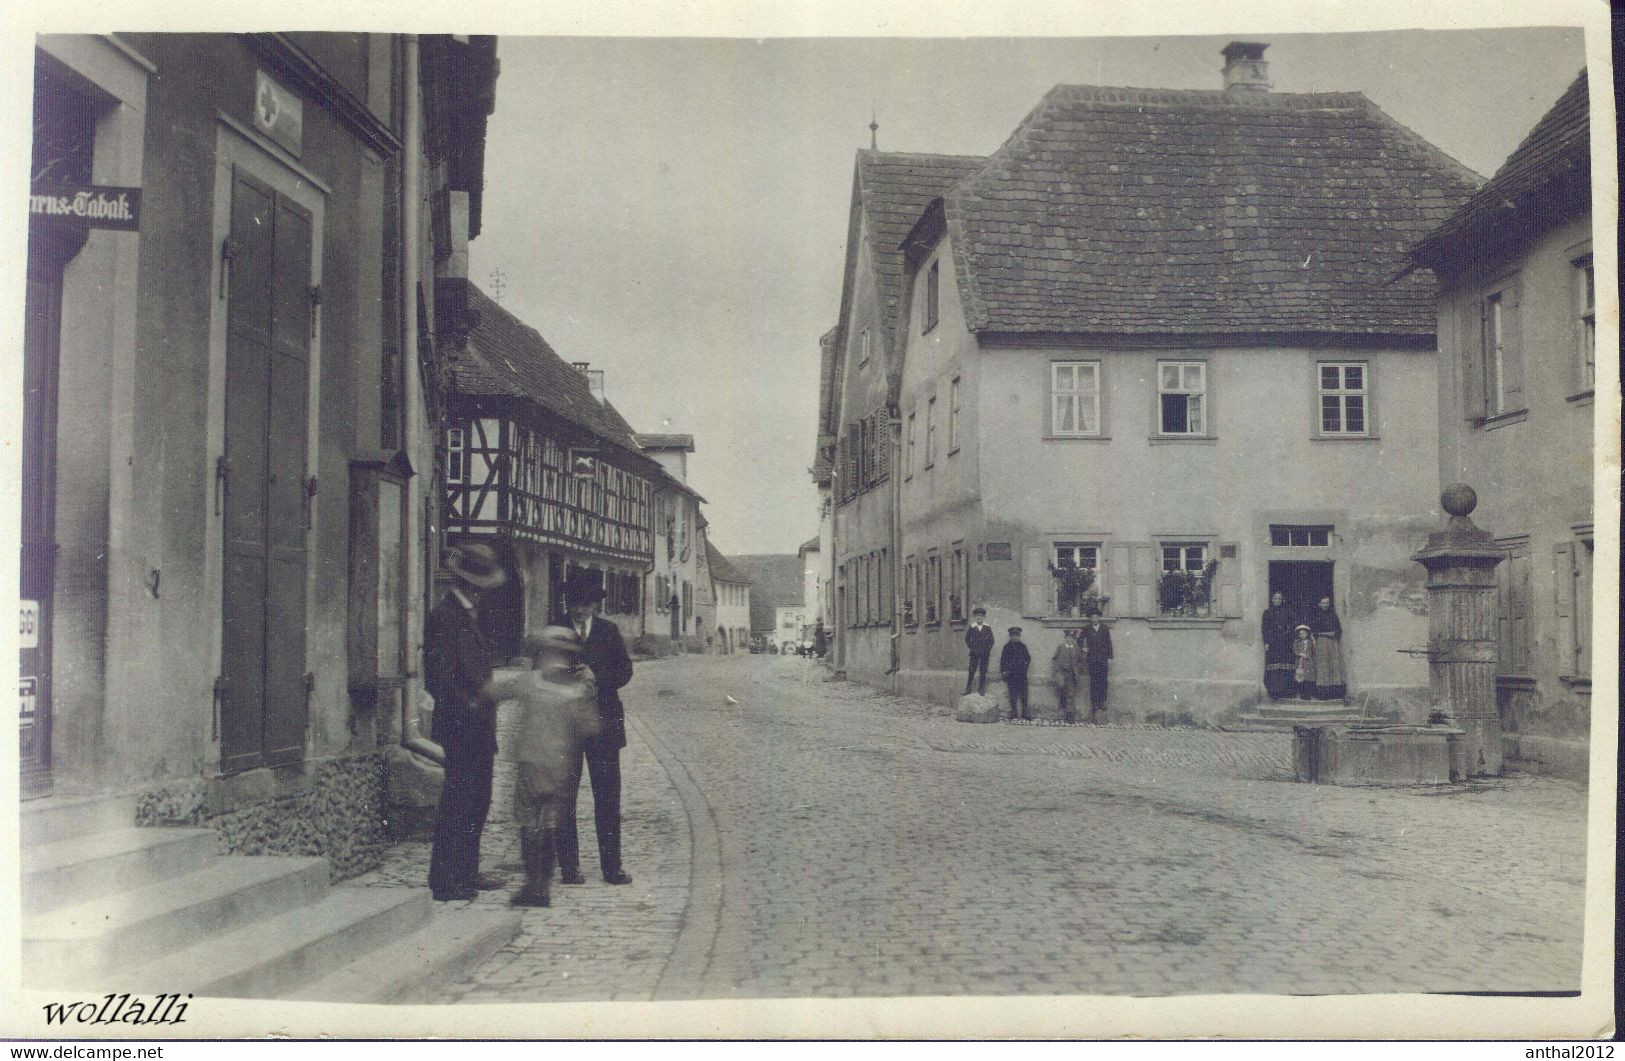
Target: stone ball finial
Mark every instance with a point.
(1459, 500)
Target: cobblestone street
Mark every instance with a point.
(814, 838)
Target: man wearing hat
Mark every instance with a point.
(458, 661)
(604, 653)
(979, 639)
(1014, 662)
(1096, 641)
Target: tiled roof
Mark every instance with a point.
(893, 188)
(810, 545)
(682, 442)
(721, 569)
(1549, 174)
(505, 357)
(1167, 212)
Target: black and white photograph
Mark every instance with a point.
(882, 522)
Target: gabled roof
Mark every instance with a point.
(721, 569)
(505, 357)
(892, 188)
(679, 442)
(1547, 178)
(809, 546)
(1130, 211)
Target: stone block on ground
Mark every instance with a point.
(974, 707)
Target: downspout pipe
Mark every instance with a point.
(411, 261)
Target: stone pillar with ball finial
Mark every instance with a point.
(1462, 614)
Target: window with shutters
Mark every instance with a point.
(1344, 399)
(933, 587)
(1077, 578)
(953, 415)
(957, 608)
(930, 431)
(1571, 591)
(1182, 405)
(1186, 584)
(1585, 298)
(454, 455)
(1074, 398)
(908, 449)
(910, 616)
(1512, 609)
(1501, 354)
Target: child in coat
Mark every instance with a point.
(1014, 662)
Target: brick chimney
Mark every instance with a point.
(1244, 67)
(595, 378)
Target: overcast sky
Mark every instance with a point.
(674, 210)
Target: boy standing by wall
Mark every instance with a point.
(1014, 662)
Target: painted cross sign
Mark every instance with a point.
(28, 693)
(278, 113)
(87, 205)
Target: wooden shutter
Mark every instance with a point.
(1473, 383)
(1119, 578)
(1147, 571)
(1227, 582)
(1035, 581)
(1512, 347)
(883, 444)
(1563, 604)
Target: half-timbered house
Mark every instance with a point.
(540, 465)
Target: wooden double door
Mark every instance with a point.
(262, 483)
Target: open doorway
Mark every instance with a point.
(1302, 583)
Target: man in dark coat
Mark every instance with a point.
(604, 653)
(1275, 629)
(979, 639)
(1096, 640)
(1014, 663)
(458, 661)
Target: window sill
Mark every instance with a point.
(1075, 438)
(1517, 416)
(959, 624)
(1585, 397)
(1580, 683)
(1344, 438)
(1515, 681)
(953, 451)
(933, 626)
(1183, 440)
(1182, 622)
(1066, 622)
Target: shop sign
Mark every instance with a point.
(90, 205)
(278, 113)
(28, 634)
(28, 689)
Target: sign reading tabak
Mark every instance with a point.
(91, 205)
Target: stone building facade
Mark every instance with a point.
(230, 442)
(1517, 393)
(1150, 357)
(679, 556)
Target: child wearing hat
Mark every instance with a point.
(1013, 664)
(558, 710)
(979, 639)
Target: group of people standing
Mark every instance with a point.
(1303, 652)
(570, 715)
(1087, 650)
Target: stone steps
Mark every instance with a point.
(89, 940)
(159, 910)
(1275, 716)
(72, 870)
(414, 967)
(275, 955)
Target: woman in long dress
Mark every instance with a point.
(1276, 628)
(1330, 681)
